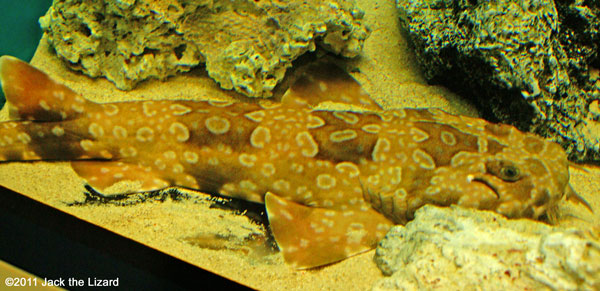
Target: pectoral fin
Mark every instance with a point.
(310, 237)
(101, 175)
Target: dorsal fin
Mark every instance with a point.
(33, 95)
(324, 81)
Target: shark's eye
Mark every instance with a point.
(509, 173)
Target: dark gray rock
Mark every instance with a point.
(526, 62)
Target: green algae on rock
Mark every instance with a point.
(527, 62)
(246, 45)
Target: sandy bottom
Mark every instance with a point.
(229, 244)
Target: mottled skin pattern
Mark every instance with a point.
(333, 181)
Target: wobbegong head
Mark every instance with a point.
(518, 174)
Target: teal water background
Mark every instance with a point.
(20, 30)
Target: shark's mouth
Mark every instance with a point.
(487, 183)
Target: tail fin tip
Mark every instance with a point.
(6, 64)
(33, 95)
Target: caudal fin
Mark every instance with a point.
(45, 117)
(33, 95)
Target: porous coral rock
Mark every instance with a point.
(247, 45)
(524, 62)
(464, 249)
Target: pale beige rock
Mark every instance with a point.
(463, 249)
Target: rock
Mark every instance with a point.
(523, 62)
(246, 45)
(464, 249)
